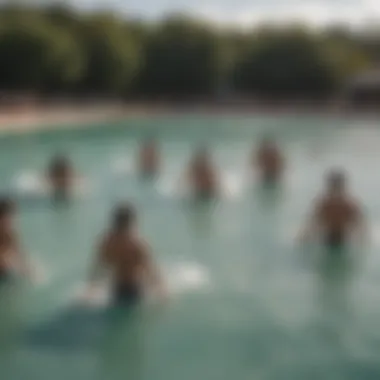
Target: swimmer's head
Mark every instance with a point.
(124, 217)
(7, 211)
(336, 181)
(61, 161)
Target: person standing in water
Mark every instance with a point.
(269, 162)
(202, 176)
(61, 177)
(149, 159)
(128, 258)
(336, 215)
(12, 258)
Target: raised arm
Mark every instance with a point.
(20, 260)
(360, 223)
(312, 223)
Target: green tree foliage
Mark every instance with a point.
(34, 55)
(284, 64)
(181, 59)
(111, 55)
(56, 50)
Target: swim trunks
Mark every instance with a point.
(205, 195)
(5, 275)
(334, 240)
(126, 294)
(61, 195)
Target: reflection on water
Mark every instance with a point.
(245, 305)
(11, 298)
(122, 352)
(335, 279)
(200, 213)
(269, 194)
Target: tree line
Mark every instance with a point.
(54, 50)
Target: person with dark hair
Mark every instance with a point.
(149, 159)
(269, 162)
(127, 257)
(202, 175)
(12, 258)
(336, 214)
(61, 176)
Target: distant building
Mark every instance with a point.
(364, 90)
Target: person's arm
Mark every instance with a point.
(257, 158)
(360, 224)
(100, 263)
(151, 272)
(312, 224)
(20, 261)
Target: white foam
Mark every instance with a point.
(290, 233)
(29, 183)
(167, 186)
(98, 295)
(187, 277)
(122, 165)
(233, 184)
(375, 235)
(41, 276)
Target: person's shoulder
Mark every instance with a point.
(353, 203)
(321, 201)
(106, 238)
(139, 243)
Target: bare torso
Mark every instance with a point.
(270, 163)
(61, 178)
(203, 178)
(149, 160)
(337, 215)
(8, 247)
(124, 256)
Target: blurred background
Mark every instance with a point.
(246, 301)
(264, 51)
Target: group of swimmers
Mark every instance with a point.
(127, 256)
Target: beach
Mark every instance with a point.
(23, 118)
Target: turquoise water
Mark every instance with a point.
(246, 302)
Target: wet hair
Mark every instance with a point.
(124, 216)
(60, 163)
(7, 206)
(336, 178)
(61, 159)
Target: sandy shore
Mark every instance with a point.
(23, 119)
(29, 119)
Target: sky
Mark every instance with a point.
(246, 12)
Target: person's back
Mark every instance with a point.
(60, 174)
(123, 253)
(8, 238)
(203, 175)
(149, 159)
(269, 161)
(127, 257)
(11, 257)
(336, 215)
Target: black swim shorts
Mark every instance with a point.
(126, 294)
